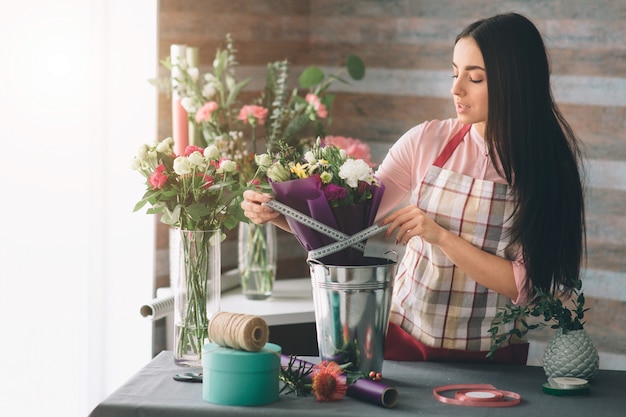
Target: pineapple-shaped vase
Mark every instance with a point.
(571, 354)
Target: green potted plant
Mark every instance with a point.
(570, 351)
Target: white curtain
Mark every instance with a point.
(75, 262)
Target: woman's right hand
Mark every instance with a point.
(254, 210)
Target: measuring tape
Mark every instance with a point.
(343, 241)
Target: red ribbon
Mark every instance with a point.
(493, 397)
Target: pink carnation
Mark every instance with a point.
(158, 178)
(353, 147)
(314, 101)
(204, 113)
(252, 114)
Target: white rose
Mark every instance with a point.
(165, 146)
(343, 154)
(212, 152)
(278, 173)
(263, 160)
(355, 170)
(196, 159)
(182, 165)
(228, 166)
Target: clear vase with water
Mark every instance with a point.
(257, 250)
(197, 293)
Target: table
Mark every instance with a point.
(291, 303)
(152, 392)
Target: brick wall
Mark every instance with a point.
(407, 47)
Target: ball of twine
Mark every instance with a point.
(238, 331)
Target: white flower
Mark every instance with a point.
(228, 166)
(309, 157)
(230, 82)
(196, 159)
(263, 160)
(212, 152)
(188, 104)
(343, 154)
(165, 146)
(355, 170)
(135, 164)
(142, 152)
(278, 173)
(194, 73)
(208, 91)
(182, 165)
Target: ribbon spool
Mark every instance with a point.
(477, 395)
(238, 331)
(566, 386)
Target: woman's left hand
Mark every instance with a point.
(410, 221)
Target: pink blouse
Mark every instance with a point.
(409, 158)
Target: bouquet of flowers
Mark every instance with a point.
(194, 191)
(328, 185)
(279, 114)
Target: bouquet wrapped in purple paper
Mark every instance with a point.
(329, 186)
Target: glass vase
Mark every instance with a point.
(197, 293)
(257, 259)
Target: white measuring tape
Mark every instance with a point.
(343, 241)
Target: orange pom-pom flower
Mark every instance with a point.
(329, 382)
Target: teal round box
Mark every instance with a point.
(238, 377)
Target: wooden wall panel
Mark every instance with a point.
(407, 47)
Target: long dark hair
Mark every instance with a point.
(535, 149)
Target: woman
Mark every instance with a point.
(496, 199)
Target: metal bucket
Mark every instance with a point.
(352, 311)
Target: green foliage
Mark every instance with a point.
(545, 305)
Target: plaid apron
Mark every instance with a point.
(434, 301)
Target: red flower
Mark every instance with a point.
(208, 180)
(158, 178)
(334, 192)
(191, 149)
(329, 382)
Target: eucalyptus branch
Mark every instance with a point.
(545, 305)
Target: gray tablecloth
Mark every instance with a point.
(152, 392)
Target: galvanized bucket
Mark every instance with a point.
(352, 311)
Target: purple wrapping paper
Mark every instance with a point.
(362, 389)
(304, 196)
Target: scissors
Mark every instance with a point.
(189, 377)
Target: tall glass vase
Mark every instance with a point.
(197, 293)
(257, 259)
